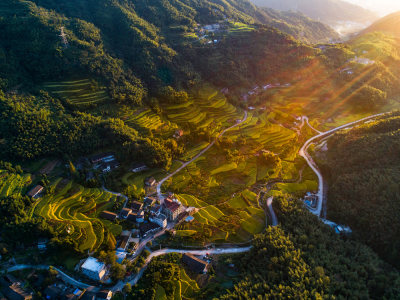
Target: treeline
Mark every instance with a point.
(305, 259)
(363, 166)
(36, 126)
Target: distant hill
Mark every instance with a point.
(299, 25)
(331, 12)
(389, 24)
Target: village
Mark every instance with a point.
(143, 221)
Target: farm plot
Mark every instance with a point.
(13, 184)
(206, 109)
(72, 209)
(84, 92)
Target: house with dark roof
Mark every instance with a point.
(148, 228)
(172, 209)
(136, 206)
(108, 215)
(102, 157)
(109, 166)
(136, 217)
(104, 295)
(178, 133)
(149, 201)
(125, 212)
(139, 167)
(155, 210)
(124, 243)
(35, 192)
(16, 292)
(160, 220)
(53, 292)
(150, 181)
(194, 263)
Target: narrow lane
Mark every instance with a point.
(303, 152)
(197, 156)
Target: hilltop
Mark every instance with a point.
(388, 25)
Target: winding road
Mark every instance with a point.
(136, 278)
(160, 183)
(303, 152)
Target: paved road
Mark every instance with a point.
(117, 194)
(303, 152)
(65, 277)
(197, 156)
(272, 212)
(305, 119)
(134, 280)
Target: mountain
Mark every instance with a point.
(132, 48)
(331, 12)
(389, 25)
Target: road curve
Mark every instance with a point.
(134, 280)
(117, 194)
(160, 183)
(272, 212)
(303, 152)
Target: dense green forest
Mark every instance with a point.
(313, 262)
(364, 190)
(33, 127)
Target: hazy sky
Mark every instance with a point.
(383, 7)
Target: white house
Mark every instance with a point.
(160, 220)
(93, 268)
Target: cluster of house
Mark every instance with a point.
(210, 28)
(13, 289)
(57, 291)
(258, 89)
(358, 60)
(106, 162)
(159, 215)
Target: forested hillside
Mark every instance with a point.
(132, 48)
(305, 259)
(363, 166)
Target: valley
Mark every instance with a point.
(197, 150)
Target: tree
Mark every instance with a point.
(127, 288)
(368, 98)
(72, 168)
(117, 272)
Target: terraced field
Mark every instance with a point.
(218, 182)
(208, 109)
(84, 92)
(13, 184)
(144, 118)
(74, 209)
